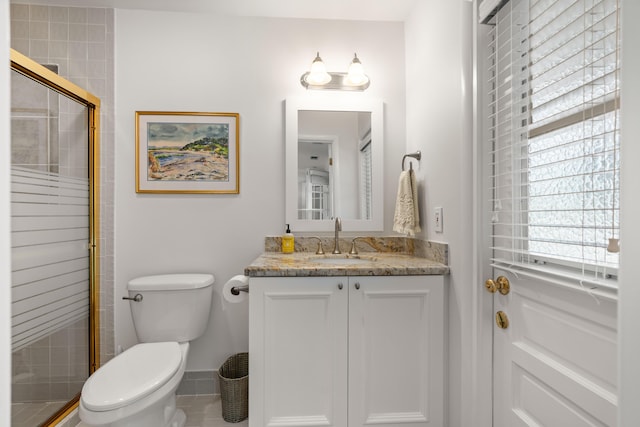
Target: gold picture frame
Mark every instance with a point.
(187, 152)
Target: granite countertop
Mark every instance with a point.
(390, 259)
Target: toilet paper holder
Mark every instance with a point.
(237, 289)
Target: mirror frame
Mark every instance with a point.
(344, 103)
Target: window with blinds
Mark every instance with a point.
(553, 132)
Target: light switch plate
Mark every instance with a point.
(437, 220)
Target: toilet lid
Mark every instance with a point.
(130, 376)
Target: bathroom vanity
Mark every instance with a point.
(346, 340)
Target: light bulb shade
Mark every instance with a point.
(355, 74)
(317, 75)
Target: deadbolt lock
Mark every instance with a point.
(501, 284)
(502, 320)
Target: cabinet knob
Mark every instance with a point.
(340, 286)
(357, 285)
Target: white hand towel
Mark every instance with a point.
(407, 219)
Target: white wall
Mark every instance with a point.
(439, 123)
(5, 249)
(169, 61)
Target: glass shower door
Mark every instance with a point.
(52, 265)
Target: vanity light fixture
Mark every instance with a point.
(318, 78)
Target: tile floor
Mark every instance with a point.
(202, 411)
(32, 414)
(205, 411)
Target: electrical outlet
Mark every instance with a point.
(437, 220)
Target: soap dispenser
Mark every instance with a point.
(287, 242)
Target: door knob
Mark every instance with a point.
(501, 284)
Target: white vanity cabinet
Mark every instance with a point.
(346, 351)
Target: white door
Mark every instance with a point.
(316, 168)
(551, 138)
(555, 361)
(396, 351)
(297, 351)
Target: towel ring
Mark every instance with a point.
(417, 155)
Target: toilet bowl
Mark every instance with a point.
(137, 387)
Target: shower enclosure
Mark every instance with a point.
(54, 183)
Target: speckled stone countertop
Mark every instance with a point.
(377, 256)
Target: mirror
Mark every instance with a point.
(333, 163)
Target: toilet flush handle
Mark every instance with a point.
(136, 298)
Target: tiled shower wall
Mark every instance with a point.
(81, 42)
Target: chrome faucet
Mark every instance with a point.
(336, 245)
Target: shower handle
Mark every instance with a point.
(136, 298)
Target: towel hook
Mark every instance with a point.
(417, 155)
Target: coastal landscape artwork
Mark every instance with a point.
(187, 152)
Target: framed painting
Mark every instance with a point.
(187, 152)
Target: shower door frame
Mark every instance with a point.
(53, 81)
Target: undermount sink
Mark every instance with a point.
(340, 260)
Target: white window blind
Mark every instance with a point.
(554, 133)
(365, 177)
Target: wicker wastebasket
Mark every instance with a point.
(234, 387)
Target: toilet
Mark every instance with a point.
(138, 387)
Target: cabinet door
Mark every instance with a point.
(297, 350)
(396, 351)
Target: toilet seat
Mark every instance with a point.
(132, 375)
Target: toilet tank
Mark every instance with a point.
(174, 307)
